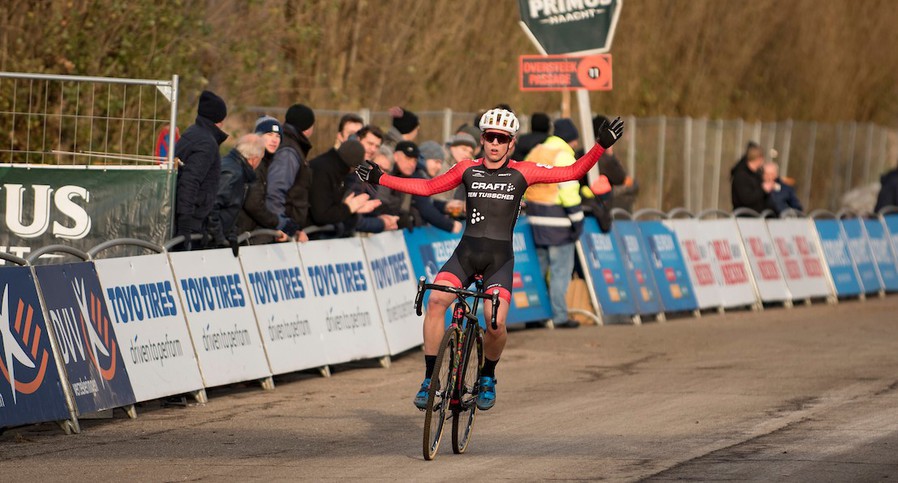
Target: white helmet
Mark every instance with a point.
(500, 119)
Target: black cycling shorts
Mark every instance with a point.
(491, 259)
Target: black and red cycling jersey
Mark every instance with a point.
(493, 204)
(493, 195)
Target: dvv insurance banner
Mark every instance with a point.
(87, 343)
(80, 207)
(30, 384)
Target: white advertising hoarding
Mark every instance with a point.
(730, 265)
(343, 296)
(796, 247)
(219, 313)
(762, 259)
(698, 260)
(395, 288)
(149, 324)
(279, 290)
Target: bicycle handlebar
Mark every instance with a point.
(461, 294)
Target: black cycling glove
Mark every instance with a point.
(369, 172)
(609, 133)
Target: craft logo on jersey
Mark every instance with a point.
(95, 331)
(24, 360)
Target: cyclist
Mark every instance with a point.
(494, 185)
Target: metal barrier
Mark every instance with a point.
(80, 120)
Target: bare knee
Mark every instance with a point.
(439, 301)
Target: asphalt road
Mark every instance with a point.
(807, 394)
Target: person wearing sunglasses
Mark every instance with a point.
(494, 185)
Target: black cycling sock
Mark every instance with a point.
(489, 368)
(429, 362)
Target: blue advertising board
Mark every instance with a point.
(861, 254)
(606, 268)
(87, 343)
(31, 388)
(429, 248)
(637, 266)
(891, 234)
(882, 253)
(668, 266)
(838, 259)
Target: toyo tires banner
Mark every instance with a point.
(81, 207)
(148, 321)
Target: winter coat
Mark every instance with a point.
(254, 213)
(747, 191)
(290, 178)
(783, 197)
(554, 209)
(327, 192)
(236, 178)
(888, 191)
(198, 174)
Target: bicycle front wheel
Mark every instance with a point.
(440, 394)
(463, 415)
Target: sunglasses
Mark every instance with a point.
(492, 137)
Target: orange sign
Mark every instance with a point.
(564, 73)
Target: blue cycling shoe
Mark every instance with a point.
(421, 397)
(486, 397)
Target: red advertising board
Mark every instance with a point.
(564, 72)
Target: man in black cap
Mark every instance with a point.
(539, 131)
(289, 176)
(331, 205)
(199, 168)
(414, 210)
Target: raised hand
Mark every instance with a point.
(609, 133)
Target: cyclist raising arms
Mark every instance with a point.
(494, 185)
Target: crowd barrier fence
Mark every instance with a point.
(100, 333)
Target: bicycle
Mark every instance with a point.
(456, 373)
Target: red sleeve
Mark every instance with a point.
(426, 187)
(540, 173)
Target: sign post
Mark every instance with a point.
(573, 28)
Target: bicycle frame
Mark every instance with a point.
(465, 335)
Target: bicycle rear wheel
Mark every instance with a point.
(463, 416)
(440, 394)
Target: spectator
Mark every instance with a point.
(745, 178)
(405, 126)
(237, 174)
(623, 188)
(270, 130)
(414, 210)
(329, 205)
(255, 213)
(434, 156)
(888, 190)
(379, 220)
(372, 138)
(199, 169)
(461, 146)
(289, 176)
(349, 125)
(556, 217)
(782, 196)
(539, 131)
